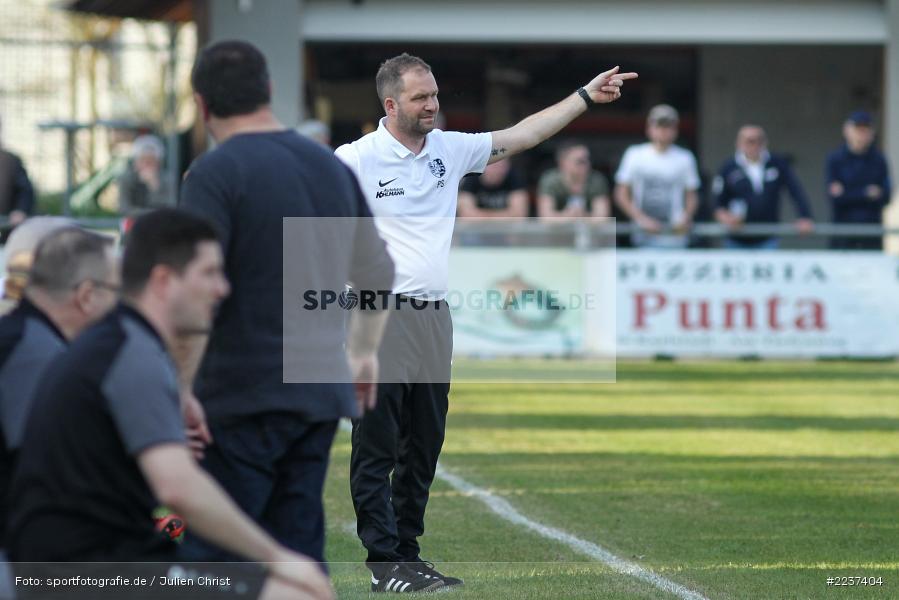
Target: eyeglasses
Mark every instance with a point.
(105, 285)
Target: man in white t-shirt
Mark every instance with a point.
(409, 172)
(657, 184)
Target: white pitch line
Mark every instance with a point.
(508, 513)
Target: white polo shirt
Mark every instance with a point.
(413, 198)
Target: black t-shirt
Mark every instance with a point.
(78, 493)
(247, 186)
(29, 341)
(493, 197)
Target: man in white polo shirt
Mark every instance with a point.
(409, 173)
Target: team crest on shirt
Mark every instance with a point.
(438, 169)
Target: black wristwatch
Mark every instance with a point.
(583, 94)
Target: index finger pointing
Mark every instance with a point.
(627, 76)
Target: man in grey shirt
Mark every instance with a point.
(106, 443)
(73, 282)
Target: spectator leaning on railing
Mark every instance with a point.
(657, 184)
(573, 190)
(498, 193)
(748, 188)
(858, 181)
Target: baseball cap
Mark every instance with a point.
(663, 114)
(860, 117)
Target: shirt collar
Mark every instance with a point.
(744, 162)
(847, 150)
(394, 144)
(128, 310)
(29, 309)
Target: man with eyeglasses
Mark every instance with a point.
(73, 282)
(748, 190)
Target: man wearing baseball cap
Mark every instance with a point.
(858, 181)
(657, 183)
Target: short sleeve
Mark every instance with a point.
(208, 191)
(549, 184)
(625, 173)
(692, 181)
(470, 150)
(598, 185)
(350, 157)
(141, 394)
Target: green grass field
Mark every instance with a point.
(735, 480)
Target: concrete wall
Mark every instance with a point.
(801, 95)
(598, 21)
(271, 25)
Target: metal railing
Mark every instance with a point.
(706, 229)
(588, 232)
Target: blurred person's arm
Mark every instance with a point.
(597, 191)
(833, 186)
(517, 207)
(549, 188)
(886, 183)
(600, 206)
(365, 333)
(206, 193)
(691, 205)
(624, 201)
(880, 193)
(372, 269)
(804, 224)
(691, 196)
(546, 208)
(180, 484)
(604, 88)
(187, 353)
(721, 198)
(468, 208)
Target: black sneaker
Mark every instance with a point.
(399, 578)
(426, 569)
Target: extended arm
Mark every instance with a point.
(604, 88)
(180, 484)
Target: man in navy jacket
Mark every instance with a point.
(748, 188)
(858, 181)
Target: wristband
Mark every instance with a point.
(587, 99)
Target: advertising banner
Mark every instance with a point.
(773, 304)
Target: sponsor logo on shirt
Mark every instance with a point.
(397, 191)
(438, 169)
